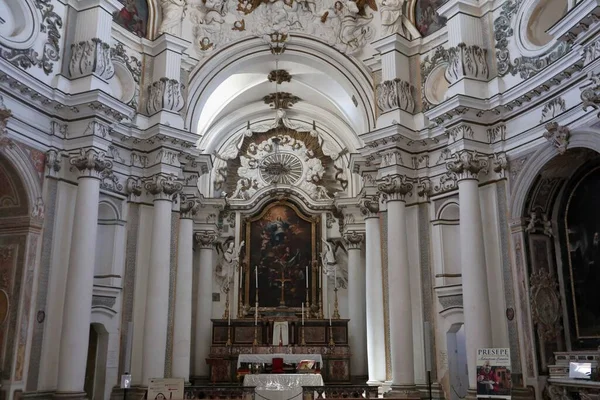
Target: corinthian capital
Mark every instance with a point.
(395, 187)
(206, 239)
(467, 62)
(369, 207)
(354, 239)
(165, 94)
(163, 187)
(91, 57)
(188, 206)
(467, 164)
(90, 163)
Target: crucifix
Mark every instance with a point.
(283, 280)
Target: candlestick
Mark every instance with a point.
(302, 342)
(320, 275)
(335, 277)
(302, 314)
(331, 342)
(228, 336)
(256, 275)
(336, 311)
(256, 314)
(226, 312)
(329, 312)
(255, 341)
(307, 276)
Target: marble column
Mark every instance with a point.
(476, 301)
(163, 188)
(182, 333)
(205, 241)
(357, 327)
(374, 293)
(74, 339)
(395, 189)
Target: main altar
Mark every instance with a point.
(277, 291)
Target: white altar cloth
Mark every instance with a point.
(287, 358)
(281, 386)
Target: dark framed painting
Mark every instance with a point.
(133, 16)
(582, 222)
(281, 247)
(427, 18)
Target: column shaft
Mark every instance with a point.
(204, 307)
(357, 327)
(183, 301)
(80, 285)
(476, 301)
(374, 305)
(157, 301)
(400, 300)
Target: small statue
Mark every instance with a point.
(230, 261)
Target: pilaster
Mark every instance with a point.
(165, 95)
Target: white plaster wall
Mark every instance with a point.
(414, 260)
(65, 206)
(491, 234)
(140, 290)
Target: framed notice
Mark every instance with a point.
(493, 373)
(165, 389)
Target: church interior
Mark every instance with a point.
(299, 199)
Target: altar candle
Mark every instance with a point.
(335, 278)
(320, 283)
(307, 276)
(256, 314)
(329, 312)
(256, 274)
(302, 313)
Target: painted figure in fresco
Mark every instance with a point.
(428, 20)
(131, 18)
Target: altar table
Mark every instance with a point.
(281, 386)
(287, 358)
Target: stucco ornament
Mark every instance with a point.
(279, 160)
(342, 24)
(172, 15)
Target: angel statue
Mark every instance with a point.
(331, 267)
(229, 262)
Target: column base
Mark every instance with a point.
(70, 395)
(373, 382)
(39, 395)
(134, 393)
(403, 392)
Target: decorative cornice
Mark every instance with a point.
(590, 95)
(467, 62)
(281, 100)
(53, 161)
(558, 136)
(90, 163)
(279, 76)
(461, 131)
(394, 94)
(188, 206)
(165, 94)
(163, 187)
(424, 188)
(91, 57)
(133, 186)
(206, 239)
(395, 187)
(5, 114)
(467, 164)
(354, 239)
(369, 206)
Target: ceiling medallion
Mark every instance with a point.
(281, 100)
(279, 76)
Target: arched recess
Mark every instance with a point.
(347, 72)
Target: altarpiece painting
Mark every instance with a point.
(281, 242)
(583, 232)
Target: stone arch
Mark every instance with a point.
(21, 163)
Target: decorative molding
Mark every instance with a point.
(53, 161)
(165, 94)
(528, 67)
(98, 129)
(558, 136)
(90, 163)
(279, 76)
(394, 94)
(424, 187)
(133, 186)
(466, 61)
(206, 239)
(590, 95)
(163, 187)
(451, 301)
(281, 100)
(133, 65)
(459, 132)
(27, 58)
(5, 114)
(188, 206)
(440, 56)
(103, 301)
(591, 52)
(395, 187)
(496, 133)
(500, 164)
(467, 164)
(545, 304)
(391, 157)
(537, 225)
(553, 108)
(110, 181)
(91, 57)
